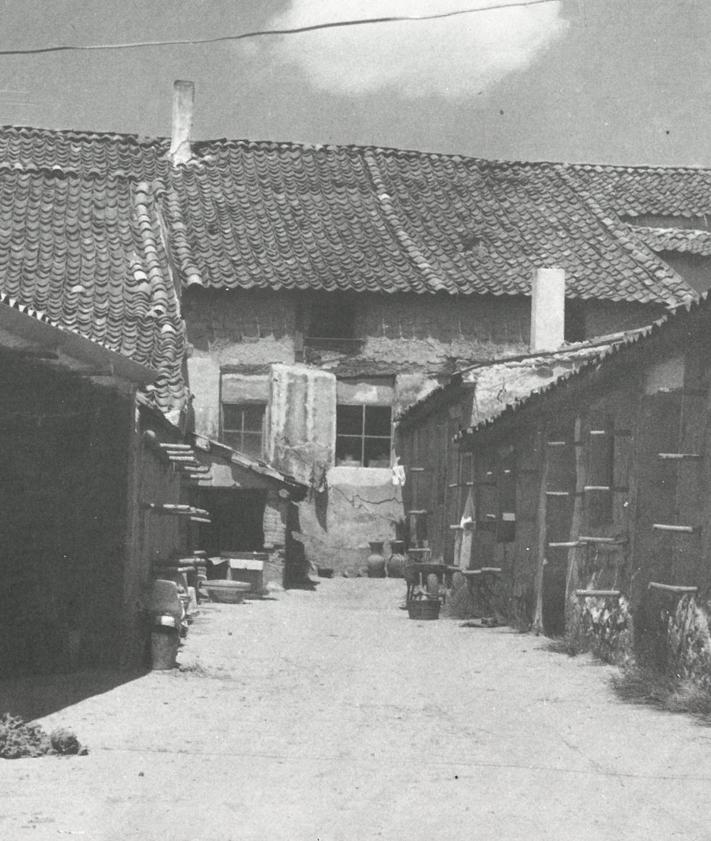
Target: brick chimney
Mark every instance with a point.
(183, 100)
(547, 309)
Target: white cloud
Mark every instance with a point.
(452, 57)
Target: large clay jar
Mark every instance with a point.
(396, 564)
(376, 561)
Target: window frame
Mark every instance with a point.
(228, 434)
(363, 437)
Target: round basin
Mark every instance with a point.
(227, 592)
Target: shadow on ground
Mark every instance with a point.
(33, 697)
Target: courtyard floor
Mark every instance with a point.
(330, 716)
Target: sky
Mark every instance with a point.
(609, 81)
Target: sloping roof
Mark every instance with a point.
(606, 354)
(248, 214)
(283, 216)
(210, 450)
(33, 334)
(499, 385)
(647, 190)
(96, 229)
(87, 251)
(685, 240)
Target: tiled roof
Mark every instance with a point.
(247, 214)
(686, 240)
(86, 218)
(283, 216)
(646, 190)
(86, 250)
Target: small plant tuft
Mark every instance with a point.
(645, 685)
(19, 740)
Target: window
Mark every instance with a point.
(243, 427)
(363, 435)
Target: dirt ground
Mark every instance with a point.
(330, 716)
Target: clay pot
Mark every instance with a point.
(376, 560)
(397, 561)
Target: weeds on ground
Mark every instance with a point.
(197, 669)
(561, 645)
(18, 739)
(643, 685)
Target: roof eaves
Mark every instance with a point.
(613, 350)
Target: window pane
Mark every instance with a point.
(348, 449)
(251, 444)
(231, 416)
(233, 439)
(349, 420)
(377, 452)
(377, 420)
(253, 416)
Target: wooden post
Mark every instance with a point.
(576, 524)
(465, 541)
(541, 528)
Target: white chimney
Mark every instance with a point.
(183, 100)
(547, 309)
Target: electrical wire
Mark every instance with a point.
(259, 33)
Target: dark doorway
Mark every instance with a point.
(236, 520)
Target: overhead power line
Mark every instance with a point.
(260, 33)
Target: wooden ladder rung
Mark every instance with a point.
(595, 539)
(678, 456)
(674, 528)
(671, 588)
(564, 544)
(604, 593)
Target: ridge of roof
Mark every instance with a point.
(163, 142)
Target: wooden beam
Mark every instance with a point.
(572, 573)
(542, 536)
